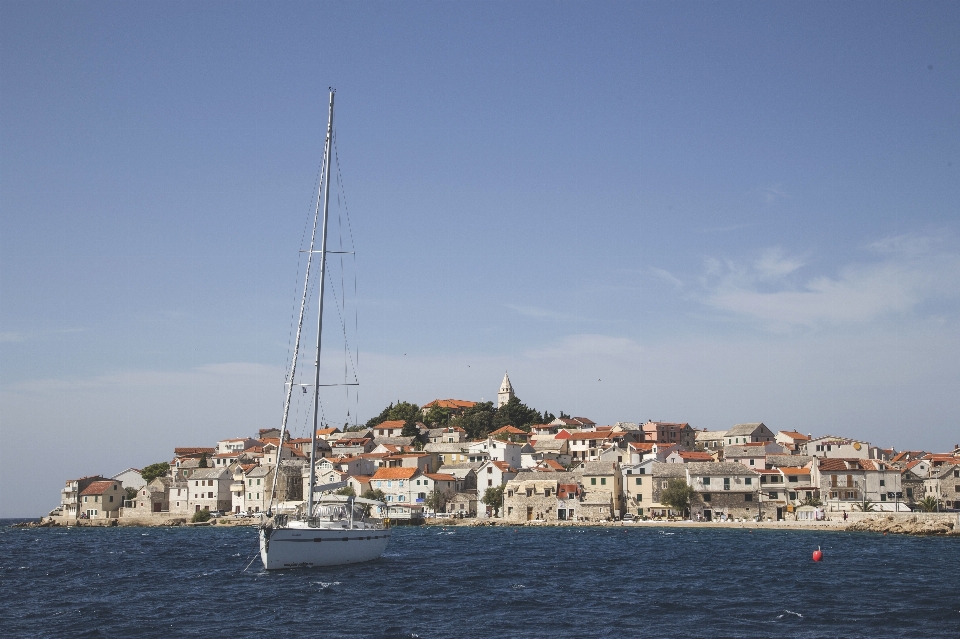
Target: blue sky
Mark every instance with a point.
(701, 212)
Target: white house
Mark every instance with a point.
(493, 473)
(130, 478)
(495, 449)
(210, 488)
(237, 445)
(748, 433)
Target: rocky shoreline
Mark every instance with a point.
(918, 525)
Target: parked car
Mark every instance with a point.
(629, 517)
(217, 513)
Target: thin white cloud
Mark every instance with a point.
(668, 277)
(543, 313)
(907, 272)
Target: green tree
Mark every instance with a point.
(865, 506)
(406, 412)
(131, 493)
(493, 497)
(153, 471)
(677, 495)
(928, 504)
(437, 416)
(201, 516)
(203, 461)
(811, 501)
(437, 501)
(516, 413)
(346, 490)
(373, 493)
(477, 420)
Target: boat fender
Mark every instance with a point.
(817, 554)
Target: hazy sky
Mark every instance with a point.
(700, 212)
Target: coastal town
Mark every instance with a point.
(567, 470)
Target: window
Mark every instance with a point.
(747, 497)
(603, 481)
(489, 470)
(639, 481)
(849, 481)
(793, 495)
(751, 462)
(706, 481)
(883, 482)
(706, 497)
(665, 484)
(748, 481)
(489, 482)
(726, 483)
(774, 495)
(833, 481)
(639, 497)
(593, 481)
(883, 496)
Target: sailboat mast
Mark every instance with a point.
(323, 281)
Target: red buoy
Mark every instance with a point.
(817, 554)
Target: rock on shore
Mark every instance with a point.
(919, 526)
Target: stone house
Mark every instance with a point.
(722, 490)
(709, 439)
(466, 474)
(943, 484)
(603, 490)
(748, 433)
(544, 449)
(153, 497)
(686, 456)
(753, 454)
(102, 499)
(661, 475)
(537, 497)
(463, 504)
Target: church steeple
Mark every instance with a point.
(506, 391)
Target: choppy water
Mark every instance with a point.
(483, 582)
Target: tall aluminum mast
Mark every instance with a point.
(323, 280)
(324, 178)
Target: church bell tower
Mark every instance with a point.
(506, 391)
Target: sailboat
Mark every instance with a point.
(328, 529)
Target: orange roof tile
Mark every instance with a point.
(450, 403)
(98, 487)
(395, 473)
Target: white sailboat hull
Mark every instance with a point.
(311, 547)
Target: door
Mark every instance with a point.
(529, 513)
(779, 513)
(156, 506)
(708, 515)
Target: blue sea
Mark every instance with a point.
(435, 583)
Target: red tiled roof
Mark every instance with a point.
(393, 423)
(441, 477)
(193, 451)
(395, 473)
(450, 403)
(504, 466)
(509, 430)
(693, 454)
(99, 487)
